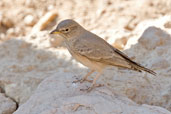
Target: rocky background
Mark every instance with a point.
(36, 71)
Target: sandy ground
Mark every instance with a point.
(18, 17)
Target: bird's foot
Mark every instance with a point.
(82, 80)
(76, 106)
(92, 87)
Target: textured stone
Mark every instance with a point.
(152, 51)
(57, 94)
(7, 106)
(24, 66)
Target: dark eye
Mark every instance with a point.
(66, 29)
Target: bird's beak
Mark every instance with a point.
(55, 32)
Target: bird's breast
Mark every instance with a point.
(84, 60)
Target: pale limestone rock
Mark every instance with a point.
(24, 66)
(152, 51)
(44, 21)
(29, 20)
(7, 106)
(159, 23)
(154, 37)
(57, 95)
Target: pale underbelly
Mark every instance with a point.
(89, 63)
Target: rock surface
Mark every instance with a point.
(57, 96)
(152, 51)
(7, 106)
(24, 66)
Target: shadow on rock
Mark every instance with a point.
(23, 66)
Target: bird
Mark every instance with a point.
(93, 51)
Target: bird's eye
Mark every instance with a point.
(66, 30)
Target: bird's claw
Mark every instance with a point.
(82, 80)
(92, 87)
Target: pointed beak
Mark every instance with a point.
(55, 32)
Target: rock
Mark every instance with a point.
(25, 65)
(154, 37)
(7, 106)
(57, 94)
(6, 21)
(44, 21)
(168, 24)
(11, 31)
(152, 51)
(29, 20)
(2, 37)
(142, 27)
(118, 38)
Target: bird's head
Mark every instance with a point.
(67, 28)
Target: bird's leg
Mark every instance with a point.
(85, 78)
(94, 83)
(76, 106)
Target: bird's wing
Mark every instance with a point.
(97, 49)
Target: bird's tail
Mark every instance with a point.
(138, 67)
(134, 65)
